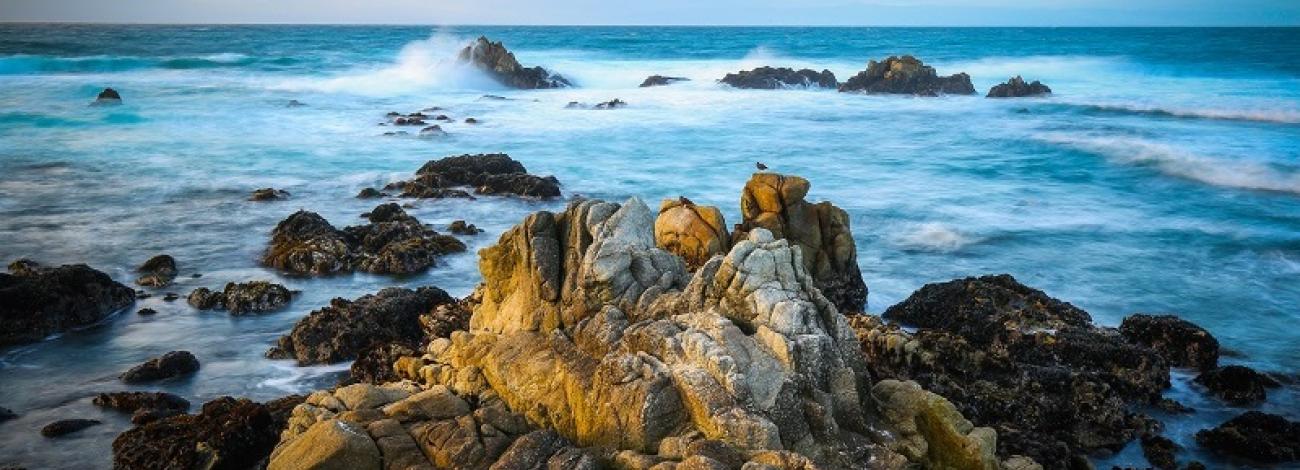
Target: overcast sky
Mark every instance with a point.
(668, 12)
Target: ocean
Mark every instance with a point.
(1162, 176)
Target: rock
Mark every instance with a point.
(170, 297)
(471, 121)
(36, 301)
(908, 76)
(696, 233)
(305, 243)
(611, 104)
(170, 365)
(409, 121)
(342, 330)
(436, 403)
(328, 445)
(776, 202)
(67, 426)
(242, 298)
(1254, 435)
(268, 194)
(500, 64)
(530, 451)
(1181, 342)
(108, 96)
(205, 299)
(931, 430)
(660, 80)
(1017, 88)
(487, 173)
(129, 402)
(158, 271)
(769, 78)
(226, 434)
(1159, 451)
(144, 312)
(432, 131)
(370, 193)
(1237, 385)
(460, 227)
(294, 104)
(7, 414)
(374, 364)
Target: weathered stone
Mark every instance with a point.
(227, 434)
(36, 301)
(931, 430)
(67, 426)
(500, 64)
(305, 243)
(1237, 385)
(158, 271)
(1017, 88)
(1159, 451)
(696, 233)
(1181, 342)
(906, 75)
(433, 404)
(1256, 436)
(343, 329)
(492, 174)
(771, 78)
(242, 298)
(130, 402)
(328, 445)
(531, 451)
(268, 194)
(660, 80)
(170, 365)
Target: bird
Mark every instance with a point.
(760, 166)
(685, 202)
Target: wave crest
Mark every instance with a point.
(934, 236)
(423, 65)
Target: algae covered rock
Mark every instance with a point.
(906, 75)
(36, 301)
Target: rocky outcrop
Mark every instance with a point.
(227, 433)
(36, 301)
(1182, 343)
(491, 174)
(268, 194)
(906, 75)
(770, 78)
(695, 233)
(1034, 368)
(144, 407)
(345, 328)
(1237, 385)
(660, 80)
(108, 96)
(1257, 436)
(67, 426)
(821, 231)
(170, 365)
(460, 227)
(1017, 88)
(500, 64)
(931, 430)
(158, 271)
(1159, 451)
(242, 298)
(392, 243)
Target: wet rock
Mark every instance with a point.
(242, 298)
(769, 78)
(487, 173)
(342, 330)
(1159, 451)
(36, 301)
(776, 202)
(409, 121)
(460, 227)
(268, 194)
(611, 104)
(493, 98)
(294, 104)
(471, 121)
(696, 233)
(374, 364)
(305, 243)
(108, 96)
(1017, 88)
(144, 312)
(7, 414)
(158, 271)
(370, 193)
(500, 64)
(1182, 343)
(170, 365)
(660, 80)
(170, 297)
(432, 131)
(908, 76)
(227, 433)
(1237, 385)
(144, 406)
(67, 426)
(1256, 436)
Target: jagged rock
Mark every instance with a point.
(931, 430)
(432, 131)
(611, 104)
(1256, 436)
(374, 364)
(170, 365)
(370, 193)
(1182, 343)
(1159, 451)
(305, 243)
(1017, 88)
(36, 301)
(660, 80)
(145, 407)
(227, 433)
(158, 271)
(776, 203)
(1237, 385)
(67, 426)
(696, 233)
(268, 194)
(331, 444)
(770, 78)
(343, 329)
(242, 298)
(108, 96)
(460, 227)
(906, 75)
(393, 243)
(500, 64)
(487, 173)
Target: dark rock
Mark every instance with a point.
(1159, 451)
(396, 243)
(488, 173)
(305, 243)
(7, 414)
(531, 451)
(660, 80)
(1237, 385)
(205, 299)
(1017, 88)
(1181, 342)
(445, 319)
(170, 297)
(611, 104)
(1173, 406)
(434, 130)
(294, 104)
(226, 434)
(159, 271)
(268, 194)
(148, 415)
(172, 364)
(402, 121)
(769, 78)
(494, 98)
(340, 331)
(1194, 465)
(36, 301)
(131, 402)
(471, 121)
(374, 364)
(1256, 436)
(500, 64)
(443, 117)
(906, 75)
(108, 96)
(242, 298)
(144, 312)
(574, 105)
(67, 426)
(460, 227)
(370, 193)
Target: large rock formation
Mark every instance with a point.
(1017, 88)
(500, 64)
(228, 433)
(36, 301)
(906, 75)
(770, 78)
(1256, 436)
(491, 174)
(392, 243)
(342, 330)
(821, 231)
(696, 233)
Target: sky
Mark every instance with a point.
(668, 12)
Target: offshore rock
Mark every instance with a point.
(342, 330)
(1237, 385)
(660, 80)
(144, 406)
(158, 271)
(305, 243)
(491, 174)
(108, 96)
(1017, 88)
(770, 78)
(1256, 436)
(268, 194)
(67, 426)
(821, 231)
(906, 75)
(170, 365)
(696, 233)
(1182, 343)
(500, 64)
(242, 298)
(36, 301)
(392, 243)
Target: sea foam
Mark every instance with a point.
(1176, 161)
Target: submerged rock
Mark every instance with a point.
(1017, 88)
(170, 365)
(488, 173)
(1159, 451)
(660, 80)
(1182, 343)
(696, 233)
(611, 104)
(36, 301)
(500, 64)
(242, 298)
(1237, 385)
(67, 426)
(227, 433)
(460, 227)
(908, 76)
(370, 193)
(108, 96)
(770, 78)
(144, 406)
(1257, 436)
(305, 243)
(158, 271)
(7, 414)
(342, 330)
(268, 194)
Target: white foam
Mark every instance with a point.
(1175, 161)
(933, 236)
(424, 65)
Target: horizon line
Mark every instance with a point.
(637, 25)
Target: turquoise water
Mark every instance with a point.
(1162, 176)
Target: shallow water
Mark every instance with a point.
(1162, 176)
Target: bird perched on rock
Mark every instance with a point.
(760, 166)
(684, 201)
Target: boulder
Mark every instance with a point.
(170, 365)
(1159, 451)
(931, 430)
(392, 243)
(696, 233)
(906, 75)
(1017, 88)
(158, 271)
(370, 193)
(611, 104)
(493, 174)
(374, 364)
(660, 80)
(268, 194)
(108, 96)
(1182, 343)
(305, 243)
(769, 78)
(67, 426)
(7, 414)
(1237, 385)
(821, 231)
(328, 445)
(1256, 436)
(36, 301)
(242, 298)
(227, 433)
(342, 330)
(500, 64)
(144, 407)
(460, 227)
